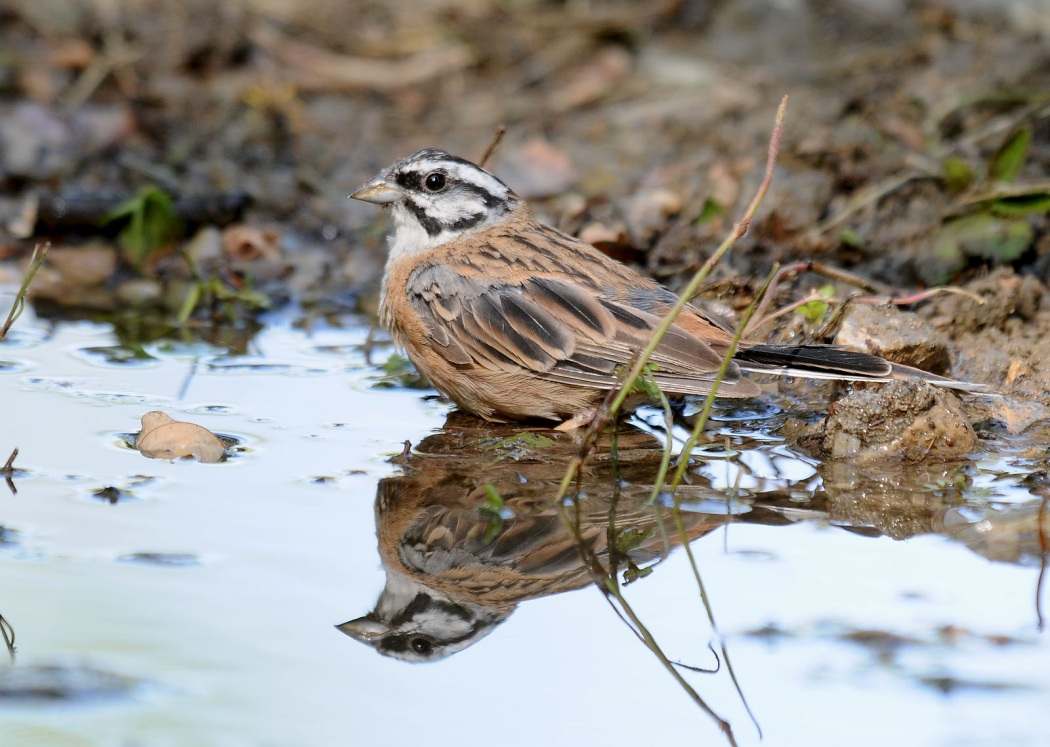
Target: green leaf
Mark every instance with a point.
(523, 440)
(708, 211)
(1037, 203)
(957, 173)
(815, 310)
(631, 538)
(632, 573)
(982, 235)
(1007, 162)
(151, 223)
(493, 500)
(398, 372)
(851, 238)
(647, 384)
(496, 513)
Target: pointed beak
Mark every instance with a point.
(378, 192)
(365, 629)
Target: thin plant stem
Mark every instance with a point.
(665, 459)
(616, 396)
(615, 399)
(1044, 553)
(694, 285)
(8, 634)
(881, 292)
(36, 260)
(497, 138)
(709, 401)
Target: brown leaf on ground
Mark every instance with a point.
(317, 69)
(595, 80)
(247, 243)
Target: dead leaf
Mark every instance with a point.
(1018, 368)
(595, 80)
(536, 168)
(246, 243)
(163, 437)
(315, 68)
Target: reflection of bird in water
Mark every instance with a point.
(458, 562)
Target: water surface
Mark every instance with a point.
(187, 604)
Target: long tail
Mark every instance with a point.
(832, 362)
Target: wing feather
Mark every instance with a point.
(559, 329)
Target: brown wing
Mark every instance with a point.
(559, 329)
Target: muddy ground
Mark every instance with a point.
(916, 154)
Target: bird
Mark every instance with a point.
(514, 320)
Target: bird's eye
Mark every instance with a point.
(435, 181)
(421, 646)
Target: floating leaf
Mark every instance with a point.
(1007, 162)
(398, 372)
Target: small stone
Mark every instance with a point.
(140, 292)
(895, 335)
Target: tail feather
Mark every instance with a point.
(833, 362)
(900, 371)
(816, 358)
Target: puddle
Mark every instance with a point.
(186, 604)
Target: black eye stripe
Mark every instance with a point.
(409, 180)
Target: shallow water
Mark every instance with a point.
(200, 608)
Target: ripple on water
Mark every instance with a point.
(162, 559)
(24, 337)
(54, 683)
(118, 356)
(241, 367)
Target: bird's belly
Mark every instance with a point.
(502, 395)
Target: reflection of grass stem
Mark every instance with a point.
(609, 586)
(36, 260)
(677, 513)
(8, 471)
(1044, 553)
(9, 637)
(665, 460)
